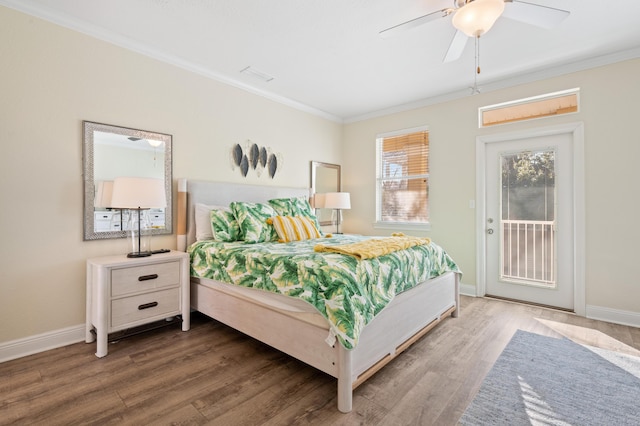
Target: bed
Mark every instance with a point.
(293, 325)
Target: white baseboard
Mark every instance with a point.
(41, 342)
(613, 315)
(600, 313)
(468, 290)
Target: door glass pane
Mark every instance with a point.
(527, 223)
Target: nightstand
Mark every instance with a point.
(127, 292)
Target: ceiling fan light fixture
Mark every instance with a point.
(477, 16)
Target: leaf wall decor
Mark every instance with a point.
(254, 155)
(244, 166)
(250, 156)
(236, 151)
(273, 165)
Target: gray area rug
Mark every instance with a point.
(539, 380)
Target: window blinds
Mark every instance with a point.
(403, 181)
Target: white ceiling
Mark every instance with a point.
(327, 57)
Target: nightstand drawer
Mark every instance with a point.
(143, 306)
(143, 278)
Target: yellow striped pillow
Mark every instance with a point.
(294, 228)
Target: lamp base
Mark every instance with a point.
(139, 254)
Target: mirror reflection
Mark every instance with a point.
(110, 152)
(325, 177)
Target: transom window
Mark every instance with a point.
(551, 104)
(402, 178)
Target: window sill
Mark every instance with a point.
(402, 226)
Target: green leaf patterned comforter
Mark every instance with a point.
(347, 291)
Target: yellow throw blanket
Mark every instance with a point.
(375, 247)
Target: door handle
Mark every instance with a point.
(489, 231)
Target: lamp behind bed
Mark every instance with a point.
(338, 201)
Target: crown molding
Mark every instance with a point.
(63, 20)
(55, 17)
(503, 83)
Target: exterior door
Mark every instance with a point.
(529, 220)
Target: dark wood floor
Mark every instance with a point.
(215, 375)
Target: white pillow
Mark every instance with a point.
(203, 220)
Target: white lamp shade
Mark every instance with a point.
(104, 191)
(337, 200)
(138, 193)
(319, 201)
(477, 17)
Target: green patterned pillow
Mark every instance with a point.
(252, 220)
(295, 206)
(224, 226)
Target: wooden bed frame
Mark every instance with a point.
(405, 320)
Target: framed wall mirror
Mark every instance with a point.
(325, 177)
(110, 152)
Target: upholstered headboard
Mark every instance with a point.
(191, 192)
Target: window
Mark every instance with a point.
(402, 178)
(551, 104)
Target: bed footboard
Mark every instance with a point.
(403, 322)
(299, 339)
(409, 317)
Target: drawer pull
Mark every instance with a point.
(148, 277)
(147, 305)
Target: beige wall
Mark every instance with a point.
(609, 98)
(52, 79)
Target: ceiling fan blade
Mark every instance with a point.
(415, 22)
(534, 14)
(456, 47)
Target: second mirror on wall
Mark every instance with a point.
(325, 177)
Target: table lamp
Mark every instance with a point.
(337, 201)
(138, 194)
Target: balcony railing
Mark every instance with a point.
(528, 252)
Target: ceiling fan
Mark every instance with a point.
(473, 18)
